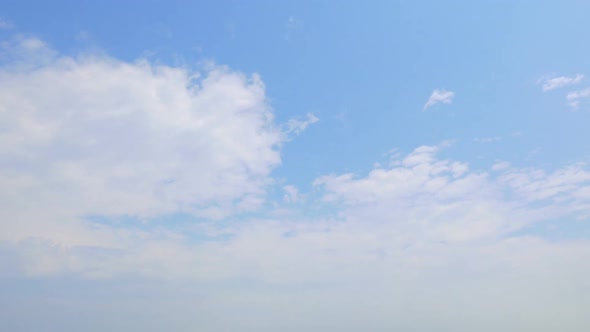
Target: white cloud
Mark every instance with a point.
(441, 96)
(559, 186)
(420, 237)
(561, 81)
(576, 98)
(97, 136)
(404, 212)
(448, 205)
(425, 237)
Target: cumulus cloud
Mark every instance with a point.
(423, 237)
(404, 211)
(93, 135)
(439, 96)
(561, 81)
(83, 139)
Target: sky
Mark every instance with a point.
(294, 166)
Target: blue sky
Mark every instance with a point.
(317, 165)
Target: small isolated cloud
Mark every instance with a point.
(561, 81)
(296, 126)
(575, 98)
(439, 96)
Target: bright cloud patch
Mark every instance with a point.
(424, 197)
(430, 229)
(561, 81)
(97, 136)
(441, 96)
(443, 200)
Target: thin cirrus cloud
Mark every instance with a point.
(560, 82)
(439, 96)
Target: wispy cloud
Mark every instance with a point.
(133, 139)
(444, 185)
(296, 126)
(576, 98)
(561, 81)
(439, 96)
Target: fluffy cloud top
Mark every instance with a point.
(94, 135)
